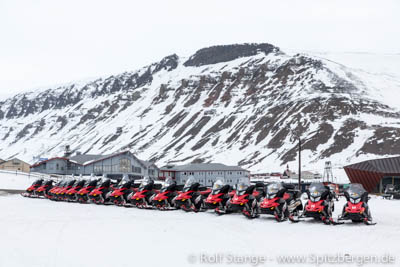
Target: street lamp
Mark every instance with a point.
(297, 136)
(299, 164)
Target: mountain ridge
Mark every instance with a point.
(251, 103)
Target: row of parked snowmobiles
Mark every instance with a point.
(281, 201)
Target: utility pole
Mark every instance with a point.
(299, 164)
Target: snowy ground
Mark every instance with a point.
(13, 180)
(39, 232)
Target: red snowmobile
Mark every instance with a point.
(218, 197)
(142, 198)
(120, 195)
(356, 209)
(281, 202)
(44, 189)
(71, 193)
(100, 195)
(163, 200)
(245, 200)
(31, 191)
(61, 194)
(83, 195)
(320, 204)
(190, 198)
(53, 192)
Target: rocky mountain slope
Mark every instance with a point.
(244, 104)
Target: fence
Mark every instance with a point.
(36, 175)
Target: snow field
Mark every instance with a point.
(39, 232)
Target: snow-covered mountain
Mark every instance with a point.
(242, 104)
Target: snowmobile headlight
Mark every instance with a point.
(315, 199)
(355, 200)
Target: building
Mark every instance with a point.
(14, 165)
(306, 175)
(113, 166)
(375, 174)
(205, 173)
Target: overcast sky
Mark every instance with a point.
(51, 42)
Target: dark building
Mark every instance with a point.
(375, 174)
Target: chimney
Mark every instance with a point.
(67, 152)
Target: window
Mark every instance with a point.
(57, 166)
(15, 162)
(124, 165)
(107, 168)
(137, 169)
(98, 169)
(151, 171)
(114, 168)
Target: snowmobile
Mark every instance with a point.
(320, 204)
(190, 197)
(53, 192)
(31, 191)
(164, 199)
(391, 192)
(61, 194)
(44, 189)
(142, 198)
(281, 202)
(218, 197)
(101, 194)
(82, 196)
(244, 200)
(120, 195)
(71, 193)
(356, 209)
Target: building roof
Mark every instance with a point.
(86, 159)
(203, 167)
(385, 165)
(147, 163)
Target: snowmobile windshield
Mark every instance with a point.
(273, 189)
(217, 186)
(168, 183)
(241, 188)
(189, 183)
(39, 181)
(146, 181)
(316, 190)
(71, 183)
(355, 192)
(125, 184)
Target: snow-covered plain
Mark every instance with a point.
(39, 232)
(13, 180)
